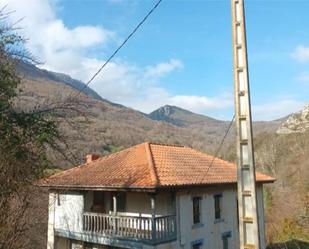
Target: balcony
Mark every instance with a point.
(149, 230)
(118, 219)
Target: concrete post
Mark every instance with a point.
(51, 221)
(247, 201)
(153, 216)
(115, 212)
(115, 204)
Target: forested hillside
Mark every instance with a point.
(286, 157)
(99, 125)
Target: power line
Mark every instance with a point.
(64, 103)
(219, 148)
(121, 45)
(70, 97)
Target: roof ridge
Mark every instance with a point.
(153, 171)
(167, 144)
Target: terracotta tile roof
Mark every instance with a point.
(149, 165)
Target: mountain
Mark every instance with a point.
(296, 123)
(180, 117)
(199, 125)
(101, 126)
(31, 71)
(184, 118)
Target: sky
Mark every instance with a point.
(181, 56)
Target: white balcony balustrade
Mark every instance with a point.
(150, 229)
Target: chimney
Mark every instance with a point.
(91, 157)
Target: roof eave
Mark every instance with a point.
(100, 188)
(143, 188)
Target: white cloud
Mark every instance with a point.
(276, 109)
(50, 40)
(203, 104)
(157, 97)
(164, 68)
(301, 53)
(137, 88)
(64, 49)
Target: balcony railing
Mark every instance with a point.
(147, 229)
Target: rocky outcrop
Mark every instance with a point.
(296, 123)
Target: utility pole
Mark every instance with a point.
(247, 201)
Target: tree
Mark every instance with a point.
(25, 137)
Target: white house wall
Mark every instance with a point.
(68, 215)
(210, 231)
(51, 221)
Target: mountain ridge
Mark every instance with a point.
(29, 70)
(110, 125)
(179, 116)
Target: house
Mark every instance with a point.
(148, 196)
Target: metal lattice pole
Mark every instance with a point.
(247, 201)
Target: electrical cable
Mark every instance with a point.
(70, 97)
(219, 148)
(120, 46)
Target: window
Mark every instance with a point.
(197, 244)
(225, 243)
(197, 201)
(218, 207)
(225, 239)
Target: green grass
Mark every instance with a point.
(112, 148)
(51, 171)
